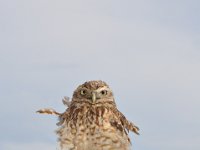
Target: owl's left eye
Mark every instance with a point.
(83, 92)
(104, 92)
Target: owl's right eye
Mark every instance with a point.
(83, 92)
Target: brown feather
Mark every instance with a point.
(93, 123)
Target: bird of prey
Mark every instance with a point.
(92, 120)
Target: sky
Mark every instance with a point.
(147, 51)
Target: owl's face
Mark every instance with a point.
(93, 92)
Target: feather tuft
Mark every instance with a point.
(48, 111)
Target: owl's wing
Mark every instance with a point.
(66, 101)
(125, 123)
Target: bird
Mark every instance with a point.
(92, 120)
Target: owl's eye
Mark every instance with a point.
(104, 92)
(83, 92)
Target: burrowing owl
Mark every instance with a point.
(92, 120)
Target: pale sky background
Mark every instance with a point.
(148, 51)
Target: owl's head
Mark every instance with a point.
(93, 92)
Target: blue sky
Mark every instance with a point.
(147, 51)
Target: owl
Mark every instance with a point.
(92, 120)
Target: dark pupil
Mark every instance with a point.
(83, 91)
(103, 92)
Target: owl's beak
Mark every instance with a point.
(93, 97)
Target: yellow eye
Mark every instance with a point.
(83, 92)
(104, 92)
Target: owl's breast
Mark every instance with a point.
(91, 127)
